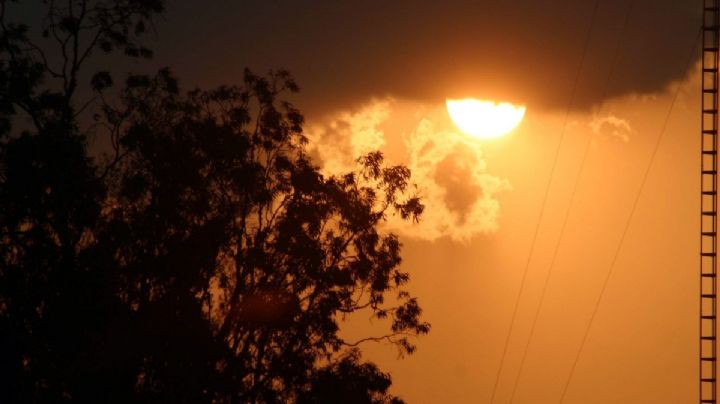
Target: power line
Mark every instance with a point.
(544, 200)
(627, 225)
(578, 176)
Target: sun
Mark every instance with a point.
(484, 119)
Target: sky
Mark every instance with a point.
(375, 75)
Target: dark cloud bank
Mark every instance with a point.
(343, 52)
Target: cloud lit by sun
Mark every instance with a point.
(448, 168)
(484, 119)
(612, 126)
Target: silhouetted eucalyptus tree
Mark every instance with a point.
(57, 293)
(206, 259)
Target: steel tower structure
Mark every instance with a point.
(708, 202)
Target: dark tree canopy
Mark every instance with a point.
(204, 258)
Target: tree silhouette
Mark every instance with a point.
(204, 258)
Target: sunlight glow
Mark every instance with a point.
(484, 119)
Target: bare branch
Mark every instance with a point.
(388, 337)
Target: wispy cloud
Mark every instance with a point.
(612, 126)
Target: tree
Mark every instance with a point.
(205, 259)
(54, 300)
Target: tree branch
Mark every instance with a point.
(387, 337)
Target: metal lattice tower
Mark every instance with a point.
(708, 203)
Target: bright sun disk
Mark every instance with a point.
(484, 119)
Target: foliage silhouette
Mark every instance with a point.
(205, 258)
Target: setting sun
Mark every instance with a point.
(484, 119)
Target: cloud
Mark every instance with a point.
(338, 141)
(448, 169)
(611, 126)
(345, 52)
(459, 192)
